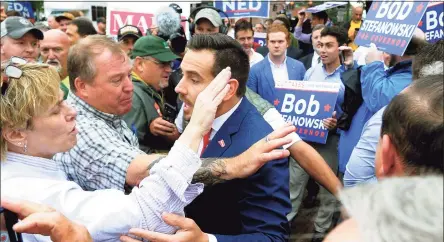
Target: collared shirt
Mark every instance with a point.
(218, 122)
(105, 148)
(255, 58)
(318, 73)
(109, 213)
(316, 59)
(305, 38)
(361, 165)
(279, 71)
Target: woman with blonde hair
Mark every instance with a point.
(36, 123)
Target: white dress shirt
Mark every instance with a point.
(107, 214)
(255, 58)
(316, 59)
(280, 72)
(218, 122)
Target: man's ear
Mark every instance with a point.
(15, 137)
(391, 161)
(80, 88)
(234, 86)
(138, 64)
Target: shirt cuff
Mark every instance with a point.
(211, 238)
(275, 120)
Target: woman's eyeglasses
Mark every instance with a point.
(12, 71)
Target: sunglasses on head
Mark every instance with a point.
(11, 71)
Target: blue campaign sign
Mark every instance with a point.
(260, 38)
(432, 22)
(305, 104)
(25, 8)
(244, 9)
(390, 25)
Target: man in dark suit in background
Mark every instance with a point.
(313, 58)
(250, 209)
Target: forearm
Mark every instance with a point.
(305, 38)
(212, 171)
(138, 169)
(315, 166)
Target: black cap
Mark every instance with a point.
(15, 27)
(129, 30)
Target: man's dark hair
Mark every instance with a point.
(11, 13)
(242, 25)
(84, 26)
(227, 52)
(414, 122)
(321, 15)
(339, 33)
(428, 55)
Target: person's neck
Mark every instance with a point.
(277, 60)
(20, 151)
(331, 67)
(226, 106)
(249, 53)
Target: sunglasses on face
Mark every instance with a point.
(12, 71)
(160, 63)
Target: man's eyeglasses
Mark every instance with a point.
(160, 63)
(12, 71)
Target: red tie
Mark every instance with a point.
(206, 141)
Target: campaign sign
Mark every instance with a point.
(25, 8)
(432, 22)
(390, 25)
(305, 104)
(260, 38)
(325, 6)
(244, 9)
(141, 20)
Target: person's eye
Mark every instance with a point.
(34, 44)
(195, 81)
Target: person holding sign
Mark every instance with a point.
(329, 70)
(378, 86)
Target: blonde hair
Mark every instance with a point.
(26, 97)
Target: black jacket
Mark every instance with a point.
(352, 97)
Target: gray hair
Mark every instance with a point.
(407, 209)
(82, 55)
(318, 27)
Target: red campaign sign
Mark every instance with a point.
(142, 20)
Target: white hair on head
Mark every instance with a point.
(435, 68)
(407, 209)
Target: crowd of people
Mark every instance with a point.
(138, 139)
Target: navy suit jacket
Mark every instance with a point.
(251, 209)
(261, 80)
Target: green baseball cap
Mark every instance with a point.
(155, 47)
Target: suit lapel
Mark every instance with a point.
(222, 140)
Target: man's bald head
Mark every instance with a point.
(357, 13)
(54, 50)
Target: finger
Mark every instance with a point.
(23, 208)
(275, 144)
(177, 220)
(282, 132)
(166, 123)
(37, 223)
(218, 99)
(218, 83)
(124, 238)
(273, 155)
(158, 127)
(152, 236)
(334, 114)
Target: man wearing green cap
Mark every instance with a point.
(152, 66)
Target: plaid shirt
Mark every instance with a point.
(105, 148)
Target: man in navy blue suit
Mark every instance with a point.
(276, 66)
(250, 209)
